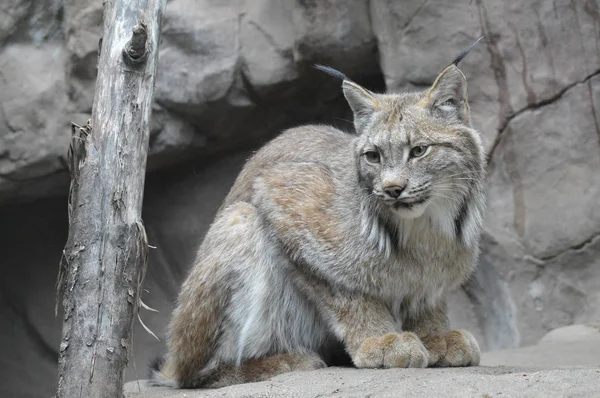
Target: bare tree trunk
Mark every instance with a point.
(104, 260)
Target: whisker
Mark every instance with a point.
(442, 197)
(458, 179)
(463, 173)
(468, 172)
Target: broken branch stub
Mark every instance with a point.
(135, 50)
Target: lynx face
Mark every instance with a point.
(416, 150)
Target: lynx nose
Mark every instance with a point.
(394, 190)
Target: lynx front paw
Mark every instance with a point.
(455, 348)
(392, 350)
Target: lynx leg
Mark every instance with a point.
(260, 369)
(238, 317)
(369, 332)
(206, 293)
(446, 347)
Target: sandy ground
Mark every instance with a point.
(554, 369)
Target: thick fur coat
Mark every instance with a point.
(329, 239)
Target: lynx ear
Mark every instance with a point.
(448, 95)
(362, 102)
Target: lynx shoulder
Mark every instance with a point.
(328, 241)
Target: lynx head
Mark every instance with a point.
(416, 151)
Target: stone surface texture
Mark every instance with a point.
(479, 382)
(233, 74)
(565, 363)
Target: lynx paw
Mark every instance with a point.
(306, 362)
(455, 348)
(392, 350)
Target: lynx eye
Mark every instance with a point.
(372, 157)
(418, 151)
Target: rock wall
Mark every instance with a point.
(234, 73)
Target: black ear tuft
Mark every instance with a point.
(464, 52)
(332, 72)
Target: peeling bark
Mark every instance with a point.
(104, 260)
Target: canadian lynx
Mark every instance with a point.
(330, 239)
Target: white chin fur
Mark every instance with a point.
(412, 213)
